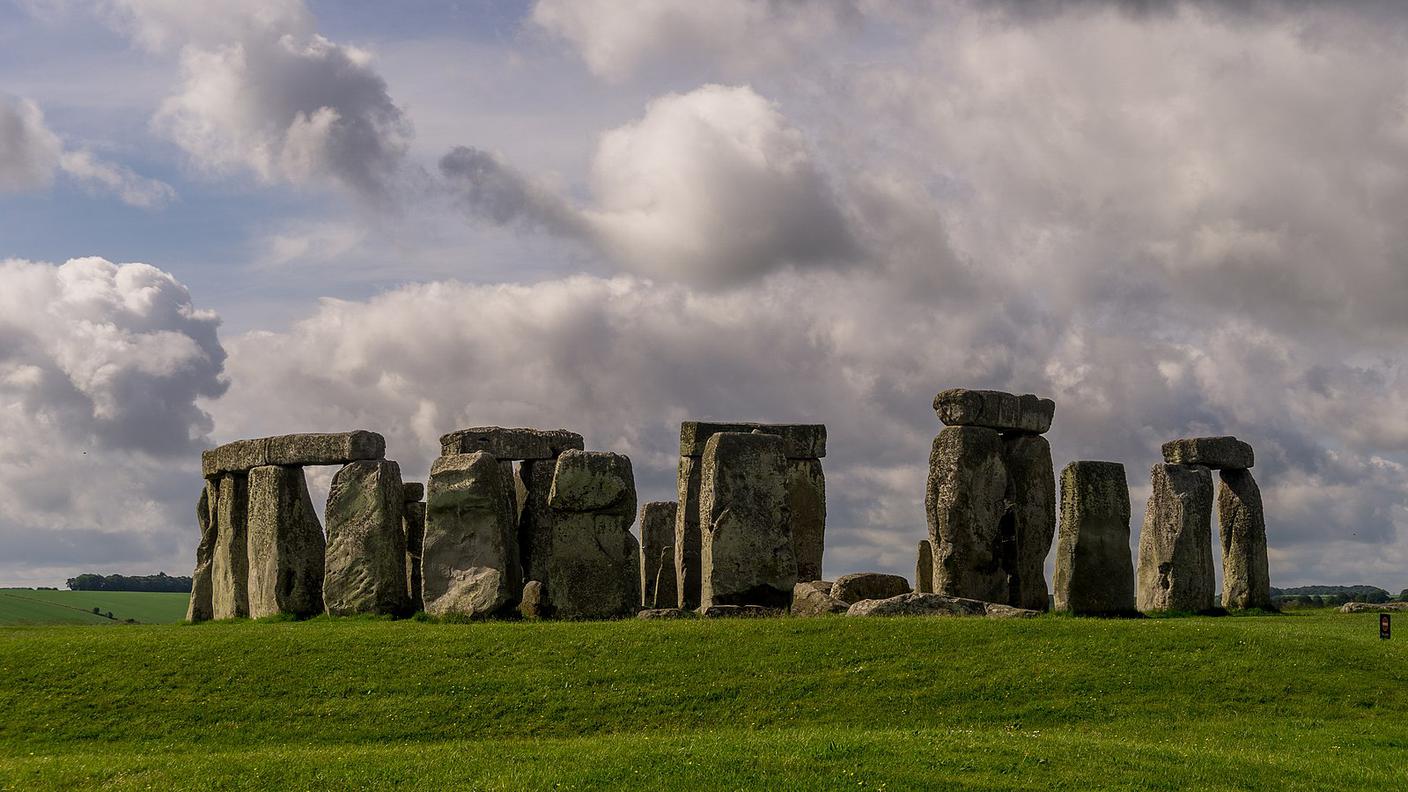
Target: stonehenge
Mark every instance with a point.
(657, 555)
(365, 568)
(285, 544)
(594, 559)
(468, 551)
(1094, 574)
(746, 552)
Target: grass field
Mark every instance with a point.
(38, 606)
(1309, 701)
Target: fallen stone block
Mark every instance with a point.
(534, 602)
(917, 604)
(799, 441)
(1094, 573)
(666, 613)
(1373, 607)
(1218, 453)
(511, 444)
(286, 545)
(365, 570)
(859, 586)
(746, 555)
(468, 555)
(809, 599)
(1003, 412)
(1175, 571)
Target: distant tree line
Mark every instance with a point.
(158, 582)
(1321, 596)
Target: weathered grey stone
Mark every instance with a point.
(534, 602)
(198, 608)
(799, 441)
(535, 521)
(1175, 570)
(808, 599)
(1094, 574)
(924, 568)
(286, 544)
(1219, 453)
(412, 491)
(746, 555)
(657, 555)
(966, 502)
(515, 582)
(1004, 412)
(1031, 493)
(468, 560)
(413, 525)
(1373, 607)
(593, 481)
(859, 586)
(1246, 583)
(917, 604)
(687, 535)
(631, 571)
(510, 444)
(806, 507)
(738, 611)
(666, 613)
(365, 571)
(229, 565)
(336, 448)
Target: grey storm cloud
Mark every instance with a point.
(29, 152)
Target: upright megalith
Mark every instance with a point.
(746, 552)
(365, 570)
(1094, 574)
(594, 557)
(413, 526)
(924, 568)
(966, 503)
(199, 607)
(1246, 582)
(803, 445)
(229, 564)
(657, 554)
(285, 544)
(535, 519)
(1031, 495)
(468, 555)
(1175, 571)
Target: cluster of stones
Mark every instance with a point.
(1175, 571)
(990, 499)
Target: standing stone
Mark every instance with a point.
(746, 555)
(1094, 574)
(286, 544)
(966, 504)
(687, 537)
(594, 499)
(468, 557)
(199, 607)
(924, 568)
(806, 503)
(657, 555)
(229, 565)
(514, 507)
(1175, 547)
(1246, 582)
(366, 549)
(535, 522)
(413, 524)
(1031, 491)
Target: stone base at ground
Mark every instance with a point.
(366, 546)
(937, 605)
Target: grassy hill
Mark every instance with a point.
(1310, 701)
(40, 606)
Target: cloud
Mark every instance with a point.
(29, 152)
(131, 188)
(484, 185)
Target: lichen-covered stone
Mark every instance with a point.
(594, 571)
(1373, 607)
(746, 555)
(859, 586)
(510, 444)
(1094, 574)
(966, 501)
(468, 558)
(917, 604)
(365, 571)
(286, 546)
(799, 441)
(1218, 453)
(687, 534)
(412, 491)
(229, 565)
(806, 508)
(593, 481)
(535, 518)
(924, 568)
(1031, 493)
(534, 602)
(657, 555)
(413, 525)
(1246, 583)
(810, 599)
(334, 448)
(1175, 571)
(996, 410)
(198, 608)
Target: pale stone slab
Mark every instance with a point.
(746, 555)
(657, 554)
(1218, 453)
(365, 571)
(917, 604)
(286, 546)
(413, 524)
(511, 444)
(334, 448)
(534, 602)
(799, 441)
(806, 508)
(1175, 571)
(229, 564)
(199, 607)
(812, 599)
(924, 568)
(1094, 573)
(1031, 491)
(1246, 583)
(593, 481)
(687, 535)
(468, 558)
(966, 500)
(1004, 412)
(859, 586)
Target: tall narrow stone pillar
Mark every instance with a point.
(199, 607)
(1094, 574)
(1175, 570)
(1031, 491)
(594, 565)
(366, 548)
(657, 548)
(468, 553)
(229, 564)
(806, 503)
(687, 539)
(413, 523)
(286, 546)
(746, 552)
(1246, 582)
(966, 502)
(924, 568)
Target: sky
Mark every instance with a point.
(240, 218)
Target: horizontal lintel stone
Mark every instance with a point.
(1218, 453)
(296, 450)
(799, 441)
(509, 444)
(1004, 412)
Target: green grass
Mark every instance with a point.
(38, 606)
(1308, 701)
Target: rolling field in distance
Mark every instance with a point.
(1311, 700)
(40, 606)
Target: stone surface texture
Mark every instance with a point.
(799, 441)
(1031, 491)
(997, 410)
(917, 604)
(510, 444)
(1373, 607)
(593, 481)
(1246, 583)
(746, 555)
(806, 507)
(590, 574)
(809, 599)
(965, 499)
(859, 586)
(1218, 453)
(687, 534)
(365, 570)
(229, 564)
(285, 544)
(469, 559)
(535, 518)
(198, 608)
(1094, 573)
(666, 613)
(412, 491)
(336, 448)
(635, 595)
(924, 568)
(1175, 571)
(657, 555)
(413, 525)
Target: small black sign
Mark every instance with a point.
(1384, 626)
